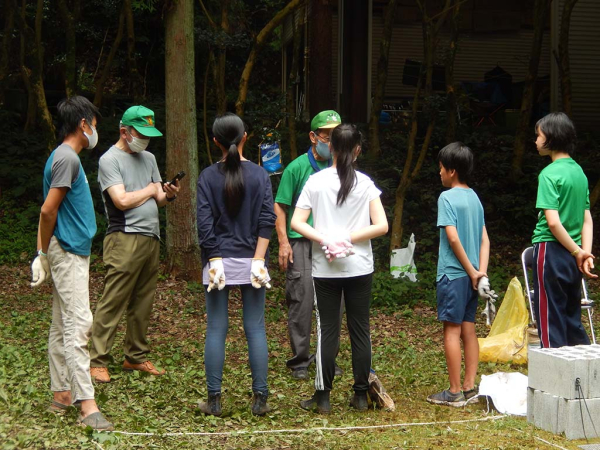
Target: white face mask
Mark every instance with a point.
(137, 145)
(92, 138)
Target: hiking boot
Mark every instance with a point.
(338, 371)
(472, 395)
(319, 403)
(146, 366)
(212, 406)
(378, 394)
(301, 373)
(359, 401)
(447, 398)
(259, 404)
(100, 374)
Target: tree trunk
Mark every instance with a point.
(562, 58)
(382, 73)
(109, 60)
(319, 93)
(523, 134)
(451, 103)
(205, 107)
(135, 81)
(595, 195)
(259, 43)
(221, 62)
(292, 86)
(183, 257)
(5, 51)
(69, 18)
(431, 30)
(32, 74)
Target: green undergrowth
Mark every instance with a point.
(407, 355)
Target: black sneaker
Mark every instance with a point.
(359, 401)
(472, 395)
(338, 371)
(259, 404)
(319, 403)
(447, 398)
(301, 373)
(212, 406)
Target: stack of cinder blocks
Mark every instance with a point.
(553, 399)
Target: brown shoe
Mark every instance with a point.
(146, 366)
(100, 374)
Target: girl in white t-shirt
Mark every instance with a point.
(347, 213)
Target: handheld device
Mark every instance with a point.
(177, 177)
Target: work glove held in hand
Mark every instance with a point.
(259, 276)
(40, 270)
(216, 274)
(485, 291)
(339, 247)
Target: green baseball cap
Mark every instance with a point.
(325, 119)
(142, 119)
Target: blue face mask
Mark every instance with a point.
(323, 150)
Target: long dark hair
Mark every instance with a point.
(344, 140)
(229, 130)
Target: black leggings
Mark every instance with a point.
(357, 296)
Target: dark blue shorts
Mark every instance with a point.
(456, 300)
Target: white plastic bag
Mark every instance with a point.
(508, 391)
(402, 261)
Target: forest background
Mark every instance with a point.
(189, 61)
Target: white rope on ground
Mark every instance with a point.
(550, 443)
(99, 446)
(308, 430)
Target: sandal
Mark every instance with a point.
(97, 421)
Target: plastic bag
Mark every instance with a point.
(507, 340)
(402, 261)
(270, 157)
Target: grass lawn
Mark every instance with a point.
(407, 355)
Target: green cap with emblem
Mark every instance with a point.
(142, 119)
(325, 119)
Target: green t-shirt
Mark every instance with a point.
(292, 181)
(562, 187)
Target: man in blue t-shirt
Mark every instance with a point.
(66, 228)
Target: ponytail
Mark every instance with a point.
(344, 140)
(228, 130)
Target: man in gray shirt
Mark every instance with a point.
(132, 192)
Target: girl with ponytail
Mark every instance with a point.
(235, 220)
(347, 213)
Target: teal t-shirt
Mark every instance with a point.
(76, 219)
(292, 182)
(460, 208)
(563, 187)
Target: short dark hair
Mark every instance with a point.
(457, 156)
(559, 131)
(71, 111)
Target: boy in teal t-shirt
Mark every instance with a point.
(462, 265)
(562, 238)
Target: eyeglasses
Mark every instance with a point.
(324, 139)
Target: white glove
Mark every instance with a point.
(259, 275)
(485, 292)
(40, 270)
(337, 247)
(216, 274)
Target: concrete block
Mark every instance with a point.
(530, 409)
(576, 418)
(545, 414)
(555, 370)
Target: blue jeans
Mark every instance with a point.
(216, 331)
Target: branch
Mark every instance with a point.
(207, 14)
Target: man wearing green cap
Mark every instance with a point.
(295, 251)
(132, 192)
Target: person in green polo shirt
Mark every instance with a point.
(295, 254)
